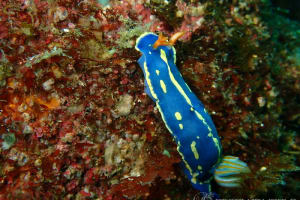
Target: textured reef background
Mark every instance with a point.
(75, 122)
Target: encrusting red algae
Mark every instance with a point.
(75, 122)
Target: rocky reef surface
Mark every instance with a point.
(75, 122)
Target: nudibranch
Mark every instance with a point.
(185, 117)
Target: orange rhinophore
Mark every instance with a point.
(175, 37)
(163, 41)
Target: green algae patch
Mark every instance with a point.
(9, 140)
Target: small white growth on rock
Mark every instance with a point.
(261, 101)
(124, 106)
(47, 85)
(27, 129)
(125, 154)
(109, 153)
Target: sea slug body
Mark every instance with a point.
(184, 115)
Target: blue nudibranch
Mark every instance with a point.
(185, 117)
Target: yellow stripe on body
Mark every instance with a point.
(181, 91)
(188, 87)
(174, 54)
(194, 178)
(178, 116)
(210, 131)
(194, 150)
(180, 126)
(163, 56)
(163, 86)
(147, 76)
(185, 162)
(163, 118)
(157, 72)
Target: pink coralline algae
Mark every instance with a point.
(75, 122)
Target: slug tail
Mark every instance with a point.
(227, 174)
